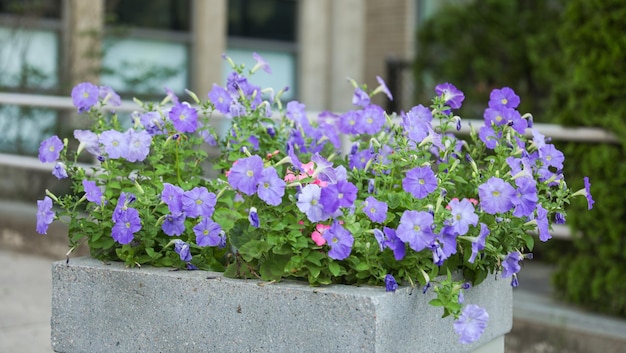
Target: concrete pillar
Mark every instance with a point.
(209, 34)
(347, 59)
(314, 56)
(83, 40)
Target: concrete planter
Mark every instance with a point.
(110, 308)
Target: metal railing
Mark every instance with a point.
(555, 132)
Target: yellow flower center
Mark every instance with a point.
(504, 101)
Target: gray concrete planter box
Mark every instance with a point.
(110, 308)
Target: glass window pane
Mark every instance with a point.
(32, 8)
(28, 58)
(263, 19)
(23, 128)
(155, 14)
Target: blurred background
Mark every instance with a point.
(566, 59)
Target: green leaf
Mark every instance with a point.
(334, 268)
(273, 268)
(254, 249)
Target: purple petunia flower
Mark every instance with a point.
(503, 98)
(88, 140)
(511, 265)
(479, 243)
(183, 250)
(462, 216)
(348, 122)
(394, 243)
(380, 238)
(115, 143)
(375, 210)
(208, 233)
(590, 201)
(360, 159)
(420, 182)
(85, 96)
(245, 174)
(184, 117)
(199, 202)
(108, 95)
(450, 94)
(340, 241)
(341, 194)
(92, 192)
(127, 223)
(415, 228)
(309, 203)
(417, 123)
(371, 120)
(271, 188)
(50, 148)
(45, 215)
(59, 170)
(382, 87)
(174, 224)
(220, 98)
(551, 156)
(260, 64)
(153, 123)
(488, 136)
(138, 145)
(496, 196)
(543, 224)
(253, 218)
(360, 98)
(471, 324)
(525, 199)
(172, 195)
(390, 283)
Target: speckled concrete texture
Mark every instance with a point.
(109, 308)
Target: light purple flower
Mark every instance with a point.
(415, 228)
(184, 117)
(394, 243)
(271, 187)
(341, 194)
(45, 215)
(371, 120)
(420, 182)
(496, 196)
(360, 98)
(183, 250)
(551, 156)
(450, 94)
(220, 98)
(260, 63)
(488, 136)
(309, 203)
(88, 140)
(340, 241)
(504, 97)
(543, 224)
(208, 233)
(108, 95)
(590, 201)
(479, 243)
(59, 170)
(463, 216)
(85, 96)
(172, 195)
(511, 265)
(525, 199)
(199, 202)
(253, 217)
(138, 145)
(382, 87)
(174, 224)
(92, 192)
(127, 223)
(417, 122)
(153, 122)
(245, 174)
(348, 122)
(390, 283)
(115, 143)
(471, 324)
(375, 210)
(50, 148)
(360, 159)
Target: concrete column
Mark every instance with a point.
(314, 56)
(209, 34)
(347, 51)
(84, 25)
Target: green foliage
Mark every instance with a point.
(482, 45)
(591, 94)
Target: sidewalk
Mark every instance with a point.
(25, 292)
